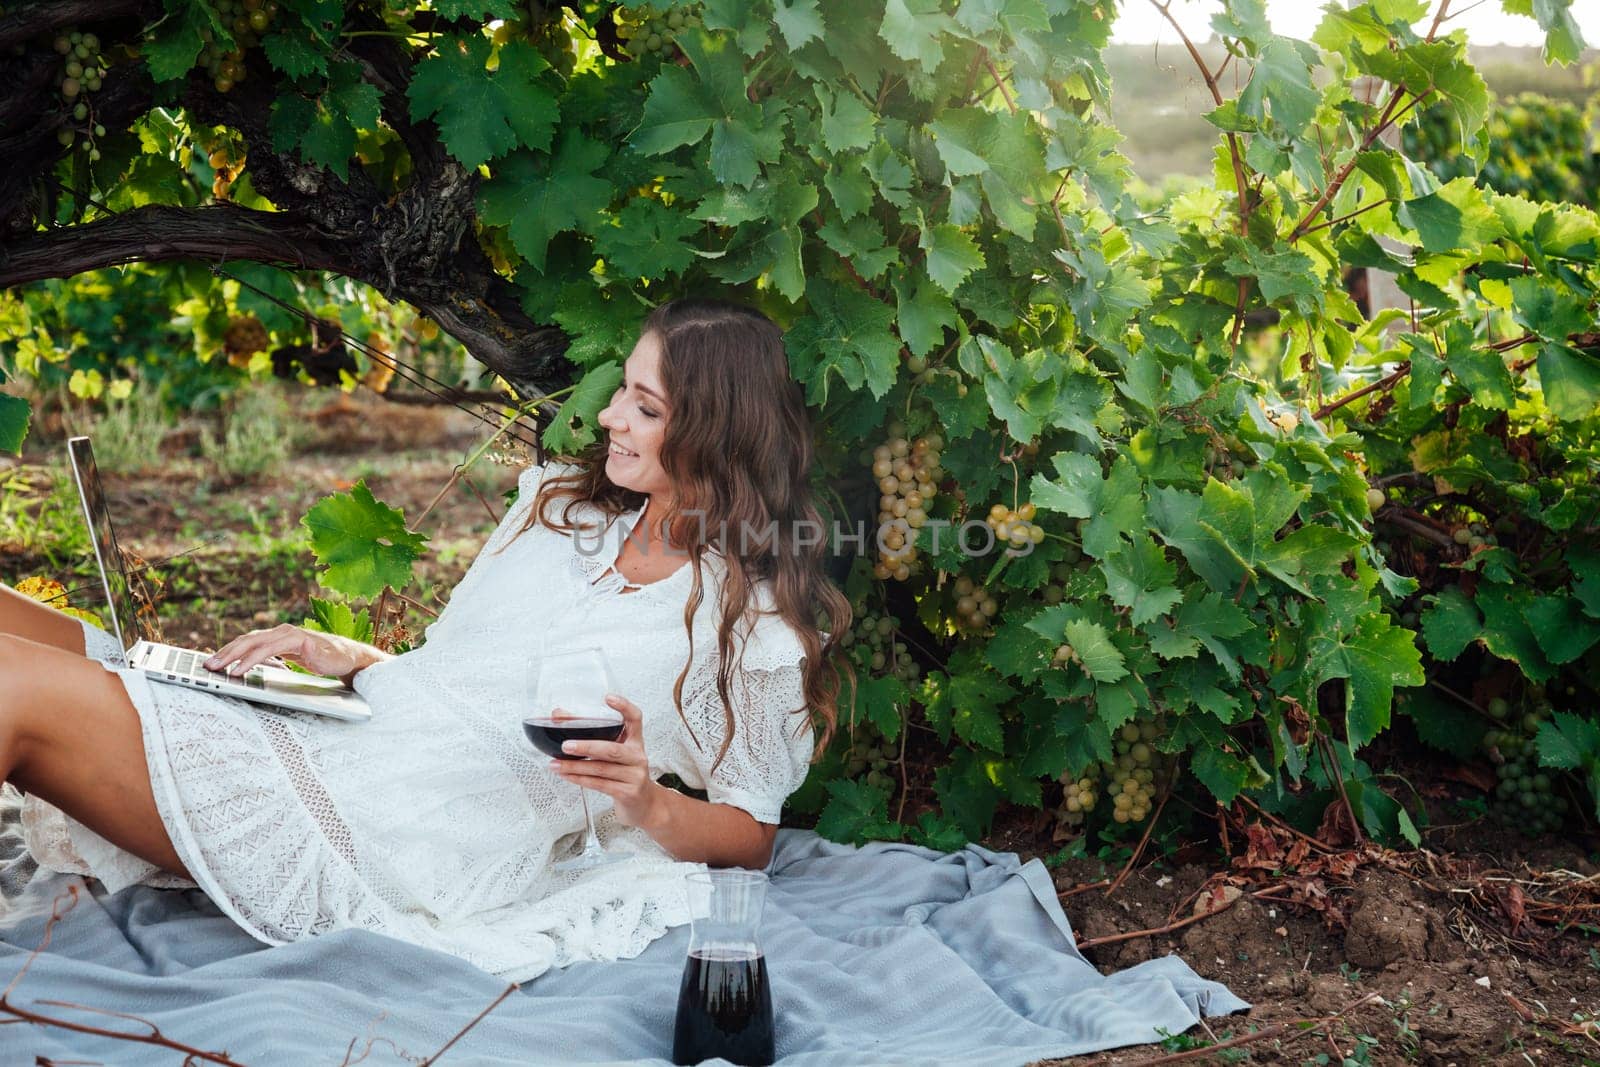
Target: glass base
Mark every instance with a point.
(585, 860)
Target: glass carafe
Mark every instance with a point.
(725, 1003)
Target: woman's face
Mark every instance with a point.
(635, 422)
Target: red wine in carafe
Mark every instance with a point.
(724, 1009)
(547, 734)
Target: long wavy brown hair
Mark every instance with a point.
(738, 451)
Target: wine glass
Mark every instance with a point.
(571, 697)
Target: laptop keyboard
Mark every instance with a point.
(182, 662)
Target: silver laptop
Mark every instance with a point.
(274, 687)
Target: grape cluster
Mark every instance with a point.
(907, 473)
(247, 20)
(869, 756)
(227, 160)
(871, 645)
(1061, 571)
(648, 28)
(244, 337)
(82, 71)
(381, 371)
(1524, 791)
(1131, 776)
(1014, 526)
(1127, 780)
(975, 606)
(1079, 797)
(1474, 535)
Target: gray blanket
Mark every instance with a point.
(884, 954)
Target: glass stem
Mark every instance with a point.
(591, 841)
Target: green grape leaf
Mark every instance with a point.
(1559, 625)
(848, 336)
(452, 10)
(1563, 42)
(677, 112)
(324, 129)
(1568, 742)
(601, 327)
(1570, 381)
(1113, 506)
(1005, 152)
(15, 414)
(922, 313)
(573, 426)
(648, 240)
(1551, 311)
(952, 255)
(1456, 217)
(1225, 774)
(913, 28)
(362, 544)
(296, 54)
(332, 617)
(481, 115)
(172, 52)
(1450, 623)
(967, 792)
(856, 813)
(862, 242)
(1375, 657)
(847, 123)
(1506, 632)
(537, 199)
(1443, 724)
(1100, 659)
(799, 21)
(1281, 77)
(879, 700)
(1139, 577)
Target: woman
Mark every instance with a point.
(436, 822)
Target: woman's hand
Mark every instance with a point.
(329, 654)
(619, 769)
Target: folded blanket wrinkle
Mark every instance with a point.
(887, 954)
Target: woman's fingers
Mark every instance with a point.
(256, 647)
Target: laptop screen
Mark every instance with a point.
(97, 514)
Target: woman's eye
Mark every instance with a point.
(648, 413)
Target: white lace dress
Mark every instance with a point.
(436, 821)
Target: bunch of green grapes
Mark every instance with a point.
(1079, 797)
(975, 605)
(1525, 793)
(871, 646)
(227, 160)
(652, 28)
(1014, 526)
(907, 473)
(247, 20)
(1061, 572)
(1130, 777)
(1474, 535)
(871, 755)
(82, 71)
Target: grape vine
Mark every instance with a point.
(1162, 505)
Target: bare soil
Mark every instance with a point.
(1475, 951)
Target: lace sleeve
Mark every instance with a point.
(772, 739)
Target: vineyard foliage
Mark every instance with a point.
(1264, 513)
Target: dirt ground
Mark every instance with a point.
(1475, 951)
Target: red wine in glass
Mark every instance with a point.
(548, 732)
(724, 1009)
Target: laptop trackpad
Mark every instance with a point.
(279, 680)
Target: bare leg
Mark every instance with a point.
(25, 617)
(70, 736)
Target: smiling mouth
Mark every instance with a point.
(618, 450)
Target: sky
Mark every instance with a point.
(1484, 22)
